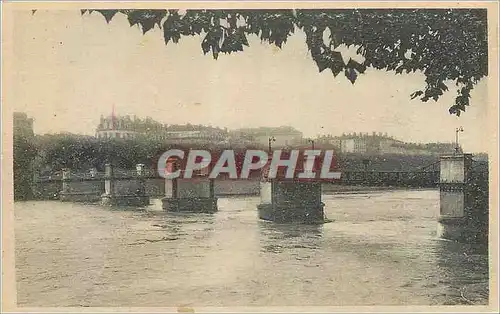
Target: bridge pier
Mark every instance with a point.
(286, 200)
(291, 202)
(66, 177)
(190, 195)
(457, 212)
(194, 194)
(122, 192)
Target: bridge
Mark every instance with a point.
(462, 182)
(427, 176)
(141, 184)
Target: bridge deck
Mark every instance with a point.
(426, 178)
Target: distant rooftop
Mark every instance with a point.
(266, 131)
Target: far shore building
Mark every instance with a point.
(381, 143)
(22, 125)
(126, 127)
(195, 134)
(116, 127)
(283, 136)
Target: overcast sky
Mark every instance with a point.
(70, 69)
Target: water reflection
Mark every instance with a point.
(278, 238)
(276, 231)
(463, 272)
(174, 226)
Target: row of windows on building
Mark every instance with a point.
(187, 135)
(116, 134)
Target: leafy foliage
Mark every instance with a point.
(444, 44)
(83, 152)
(24, 151)
(80, 152)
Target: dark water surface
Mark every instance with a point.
(381, 249)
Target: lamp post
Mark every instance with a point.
(271, 139)
(457, 147)
(366, 162)
(312, 144)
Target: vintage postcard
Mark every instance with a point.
(249, 156)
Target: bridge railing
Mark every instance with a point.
(87, 176)
(391, 178)
(435, 166)
(117, 173)
(125, 173)
(347, 177)
(51, 177)
(425, 176)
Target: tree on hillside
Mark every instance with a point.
(24, 152)
(444, 44)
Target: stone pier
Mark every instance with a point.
(291, 202)
(457, 210)
(190, 195)
(66, 188)
(194, 194)
(127, 191)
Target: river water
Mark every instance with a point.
(380, 249)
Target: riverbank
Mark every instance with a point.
(339, 189)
